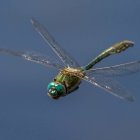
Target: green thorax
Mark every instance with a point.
(67, 78)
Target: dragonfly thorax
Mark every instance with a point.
(73, 72)
(55, 90)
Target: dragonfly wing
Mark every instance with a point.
(62, 54)
(31, 57)
(110, 86)
(117, 70)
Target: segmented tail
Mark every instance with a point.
(115, 49)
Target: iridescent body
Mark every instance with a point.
(70, 78)
(71, 73)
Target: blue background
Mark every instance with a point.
(84, 28)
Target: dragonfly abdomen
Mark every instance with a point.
(115, 49)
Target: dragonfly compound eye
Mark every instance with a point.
(55, 90)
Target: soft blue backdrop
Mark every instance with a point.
(84, 28)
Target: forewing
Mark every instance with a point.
(110, 86)
(62, 54)
(117, 70)
(31, 57)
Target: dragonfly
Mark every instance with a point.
(71, 74)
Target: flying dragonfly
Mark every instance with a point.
(71, 74)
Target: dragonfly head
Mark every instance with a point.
(55, 90)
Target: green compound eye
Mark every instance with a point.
(53, 92)
(51, 85)
(56, 89)
(59, 87)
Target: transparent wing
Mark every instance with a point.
(62, 54)
(117, 70)
(110, 86)
(31, 57)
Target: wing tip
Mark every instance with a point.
(32, 20)
(130, 98)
